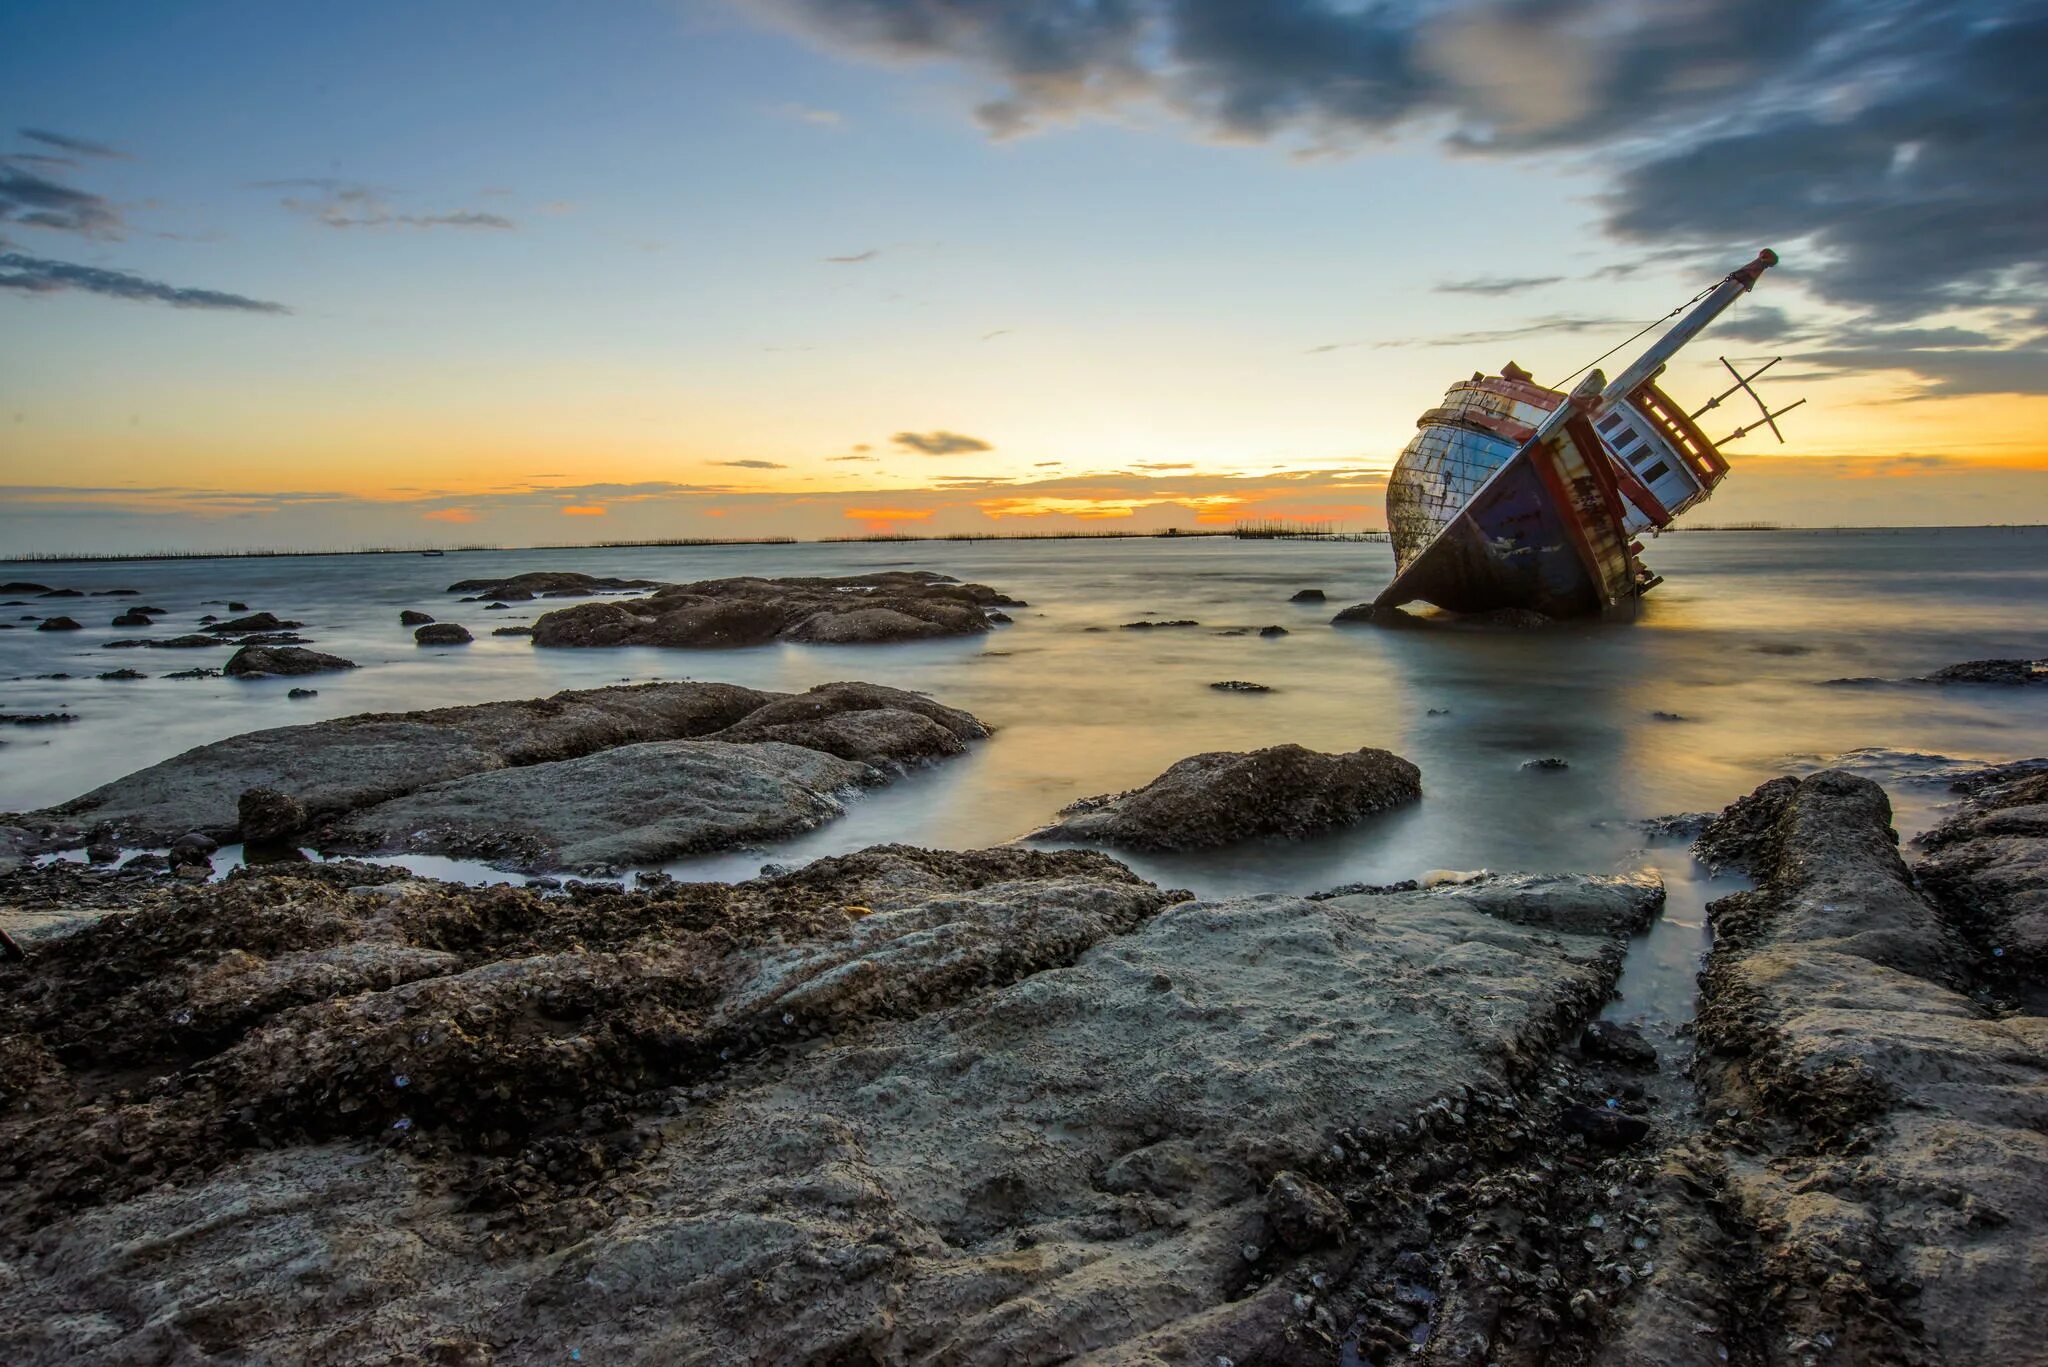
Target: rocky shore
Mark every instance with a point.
(990, 1106)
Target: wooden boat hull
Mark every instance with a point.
(1545, 532)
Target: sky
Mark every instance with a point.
(457, 273)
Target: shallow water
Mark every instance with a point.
(1738, 642)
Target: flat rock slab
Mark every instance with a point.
(632, 804)
(550, 584)
(1039, 1113)
(715, 613)
(1217, 799)
(340, 765)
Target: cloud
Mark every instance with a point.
(940, 443)
(1944, 372)
(889, 519)
(457, 515)
(1552, 323)
(1497, 285)
(752, 464)
(345, 204)
(35, 275)
(817, 118)
(858, 257)
(83, 147)
(584, 510)
(1164, 465)
(862, 458)
(36, 201)
(1893, 149)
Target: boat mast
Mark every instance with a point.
(1650, 362)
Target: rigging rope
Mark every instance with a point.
(1646, 327)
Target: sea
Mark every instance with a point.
(1728, 674)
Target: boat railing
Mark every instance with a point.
(1680, 433)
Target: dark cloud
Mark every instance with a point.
(345, 204)
(1495, 285)
(855, 259)
(853, 458)
(940, 443)
(752, 464)
(83, 147)
(1552, 323)
(37, 201)
(1942, 372)
(34, 275)
(1892, 147)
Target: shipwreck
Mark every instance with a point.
(1512, 495)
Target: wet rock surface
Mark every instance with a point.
(1217, 799)
(1987, 867)
(264, 661)
(581, 780)
(443, 634)
(716, 613)
(1882, 1125)
(901, 1105)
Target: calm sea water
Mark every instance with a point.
(1739, 642)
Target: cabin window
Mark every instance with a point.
(1610, 422)
(1622, 447)
(1656, 472)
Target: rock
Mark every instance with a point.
(887, 728)
(193, 849)
(443, 634)
(1301, 1214)
(190, 641)
(233, 606)
(1307, 596)
(1221, 798)
(998, 617)
(23, 586)
(1618, 1042)
(122, 675)
(550, 584)
(1987, 868)
(1687, 826)
(1992, 672)
(497, 607)
(252, 662)
(1668, 716)
(57, 624)
(61, 593)
(36, 718)
(633, 804)
(1371, 614)
(340, 765)
(268, 816)
(1148, 626)
(512, 631)
(1547, 763)
(1745, 834)
(860, 609)
(117, 593)
(1894, 1161)
(302, 693)
(260, 621)
(936, 1104)
(194, 674)
(134, 619)
(1241, 686)
(412, 618)
(1604, 1126)
(1270, 632)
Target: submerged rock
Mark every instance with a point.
(411, 617)
(1148, 626)
(58, 624)
(716, 613)
(134, 619)
(1224, 797)
(1372, 614)
(260, 621)
(1992, 672)
(1307, 596)
(549, 584)
(252, 662)
(1240, 686)
(443, 634)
